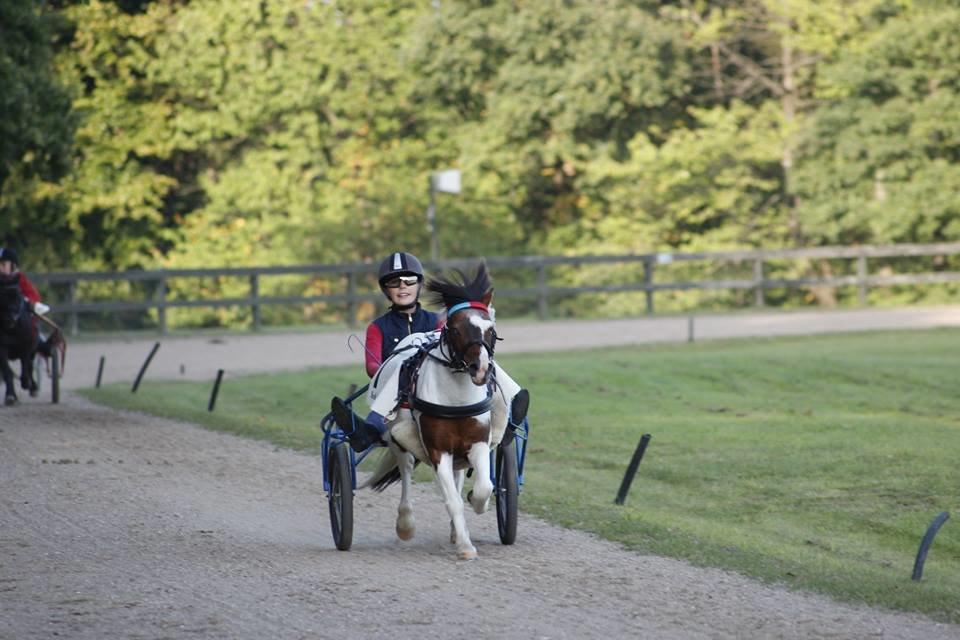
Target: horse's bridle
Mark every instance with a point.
(454, 357)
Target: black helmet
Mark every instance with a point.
(9, 254)
(399, 264)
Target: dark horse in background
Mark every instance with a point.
(18, 338)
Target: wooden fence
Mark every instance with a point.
(646, 273)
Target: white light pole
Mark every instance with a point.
(445, 182)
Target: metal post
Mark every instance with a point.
(254, 306)
(143, 369)
(99, 369)
(216, 389)
(925, 544)
(632, 469)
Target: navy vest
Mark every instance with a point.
(396, 325)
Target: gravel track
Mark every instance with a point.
(119, 525)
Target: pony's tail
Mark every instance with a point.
(386, 473)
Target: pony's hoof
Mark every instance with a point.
(406, 533)
(467, 554)
(10, 400)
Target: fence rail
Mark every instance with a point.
(156, 283)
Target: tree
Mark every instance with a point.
(36, 128)
(882, 160)
(542, 89)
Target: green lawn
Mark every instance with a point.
(816, 462)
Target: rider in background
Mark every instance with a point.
(10, 266)
(401, 280)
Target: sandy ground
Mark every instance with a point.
(119, 525)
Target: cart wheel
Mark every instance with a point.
(341, 496)
(55, 376)
(507, 492)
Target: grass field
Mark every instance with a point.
(815, 462)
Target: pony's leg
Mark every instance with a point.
(405, 524)
(479, 457)
(459, 477)
(10, 396)
(26, 369)
(454, 504)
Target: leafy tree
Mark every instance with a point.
(882, 161)
(546, 87)
(36, 128)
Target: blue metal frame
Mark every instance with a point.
(520, 435)
(334, 435)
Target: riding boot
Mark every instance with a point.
(519, 407)
(361, 433)
(518, 413)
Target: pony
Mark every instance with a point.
(18, 338)
(447, 423)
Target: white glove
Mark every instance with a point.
(40, 309)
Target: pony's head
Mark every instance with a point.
(469, 334)
(12, 305)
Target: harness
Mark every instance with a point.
(453, 360)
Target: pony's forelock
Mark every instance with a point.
(447, 292)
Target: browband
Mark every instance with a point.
(467, 305)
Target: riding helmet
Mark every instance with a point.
(399, 264)
(9, 254)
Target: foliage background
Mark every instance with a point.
(205, 133)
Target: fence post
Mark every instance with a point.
(542, 309)
(351, 305)
(862, 280)
(648, 265)
(160, 299)
(254, 302)
(758, 282)
(74, 316)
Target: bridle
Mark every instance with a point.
(453, 357)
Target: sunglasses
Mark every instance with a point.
(394, 283)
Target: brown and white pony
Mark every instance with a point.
(449, 409)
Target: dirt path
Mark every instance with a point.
(118, 525)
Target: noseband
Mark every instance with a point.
(455, 357)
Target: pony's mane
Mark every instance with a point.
(447, 292)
